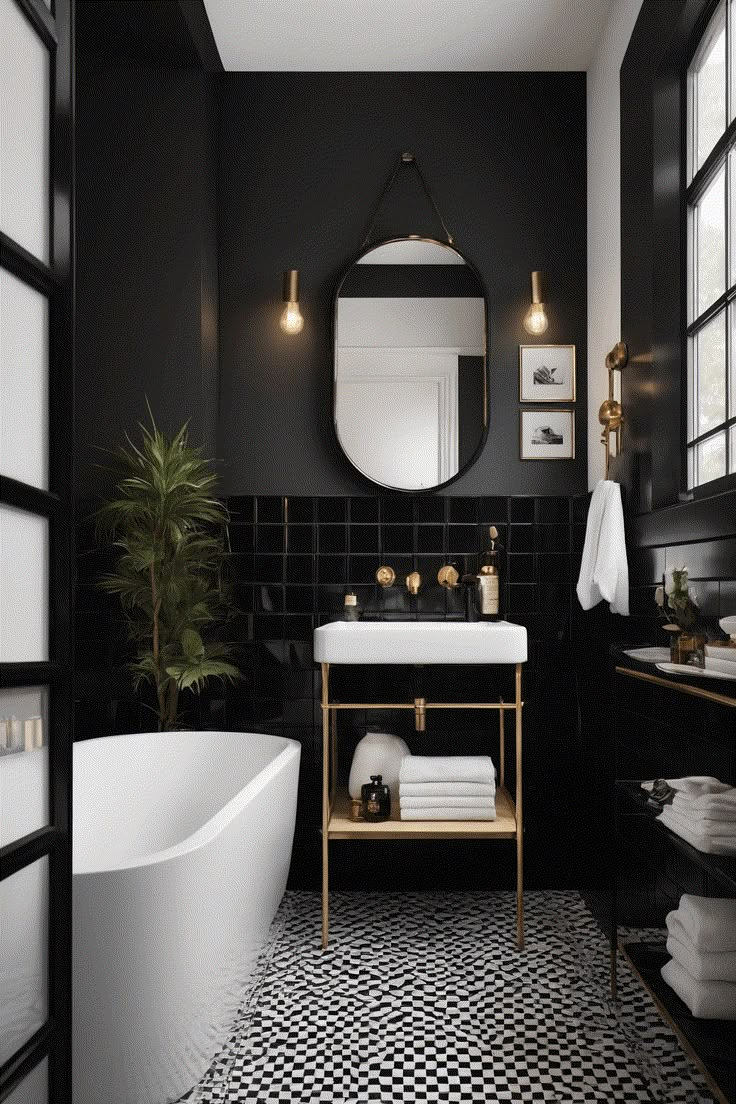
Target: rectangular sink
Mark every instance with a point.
(420, 642)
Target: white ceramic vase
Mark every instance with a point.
(377, 753)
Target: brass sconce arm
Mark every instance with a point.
(610, 414)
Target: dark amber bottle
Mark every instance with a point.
(376, 799)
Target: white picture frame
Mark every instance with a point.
(547, 434)
(546, 373)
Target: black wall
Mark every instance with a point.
(303, 158)
(146, 254)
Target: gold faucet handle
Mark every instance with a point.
(448, 577)
(413, 582)
(385, 576)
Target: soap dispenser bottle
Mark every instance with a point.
(489, 578)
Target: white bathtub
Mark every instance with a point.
(182, 844)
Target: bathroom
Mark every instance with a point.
(198, 901)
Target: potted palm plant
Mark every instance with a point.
(169, 530)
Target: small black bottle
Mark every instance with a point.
(376, 799)
(489, 575)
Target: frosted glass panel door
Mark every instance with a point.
(36, 547)
(25, 125)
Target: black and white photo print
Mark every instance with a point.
(547, 434)
(547, 373)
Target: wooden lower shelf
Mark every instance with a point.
(711, 1044)
(340, 826)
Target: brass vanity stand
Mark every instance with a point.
(337, 825)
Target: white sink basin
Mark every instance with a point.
(420, 642)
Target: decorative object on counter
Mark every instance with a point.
(460, 787)
(292, 320)
(547, 434)
(702, 942)
(678, 606)
(661, 793)
(535, 319)
(546, 373)
(352, 612)
(610, 414)
(377, 753)
(604, 568)
(489, 576)
(356, 808)
(169, 532)
(385, 576)
(376, 800)
(702, 812)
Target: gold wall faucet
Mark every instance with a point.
(413, 582)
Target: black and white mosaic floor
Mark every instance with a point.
(424, 998)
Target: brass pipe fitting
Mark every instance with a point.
(420, 714)
(413, 582)
(385, 576)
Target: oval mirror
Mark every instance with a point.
(410, 391)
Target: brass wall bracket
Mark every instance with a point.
(448, 577)
(610, 414)
(420, 714)
(413, 582)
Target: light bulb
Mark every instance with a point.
(535, 319)
(292, 321)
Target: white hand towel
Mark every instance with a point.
(709, 845)
(444, 802)
(604, 570)
(447, 789)
(703, 829)
(702, 965)
(447, 768)
(447, 813)
(707, 1000)
(709, 921)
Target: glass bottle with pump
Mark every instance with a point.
(489, 577)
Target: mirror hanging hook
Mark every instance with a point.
(407, 158)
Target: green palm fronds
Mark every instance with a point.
(168, 528)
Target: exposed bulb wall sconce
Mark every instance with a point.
(535, 319)
(611, 414)
(291, 321)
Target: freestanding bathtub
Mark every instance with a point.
(182, 844)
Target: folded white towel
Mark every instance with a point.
(710, 922)
(704, 829)
(447, 812)
(604, 571)
(709, 845)
(720, 806)
(702, 965)
(447, 789)
(707, 1000)
(695, 785)
(447, 768)
(408, 802)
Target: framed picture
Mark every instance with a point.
(547, 434)
(547, 373)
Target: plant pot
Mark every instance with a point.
(688, 649)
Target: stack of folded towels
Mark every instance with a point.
(702, 942)
(451, 787)
(702, 812)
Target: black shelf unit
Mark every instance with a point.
(711, 1044)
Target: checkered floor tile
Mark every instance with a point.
(424, 997)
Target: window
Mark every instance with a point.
(711, 254)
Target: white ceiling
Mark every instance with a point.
(406, 35)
